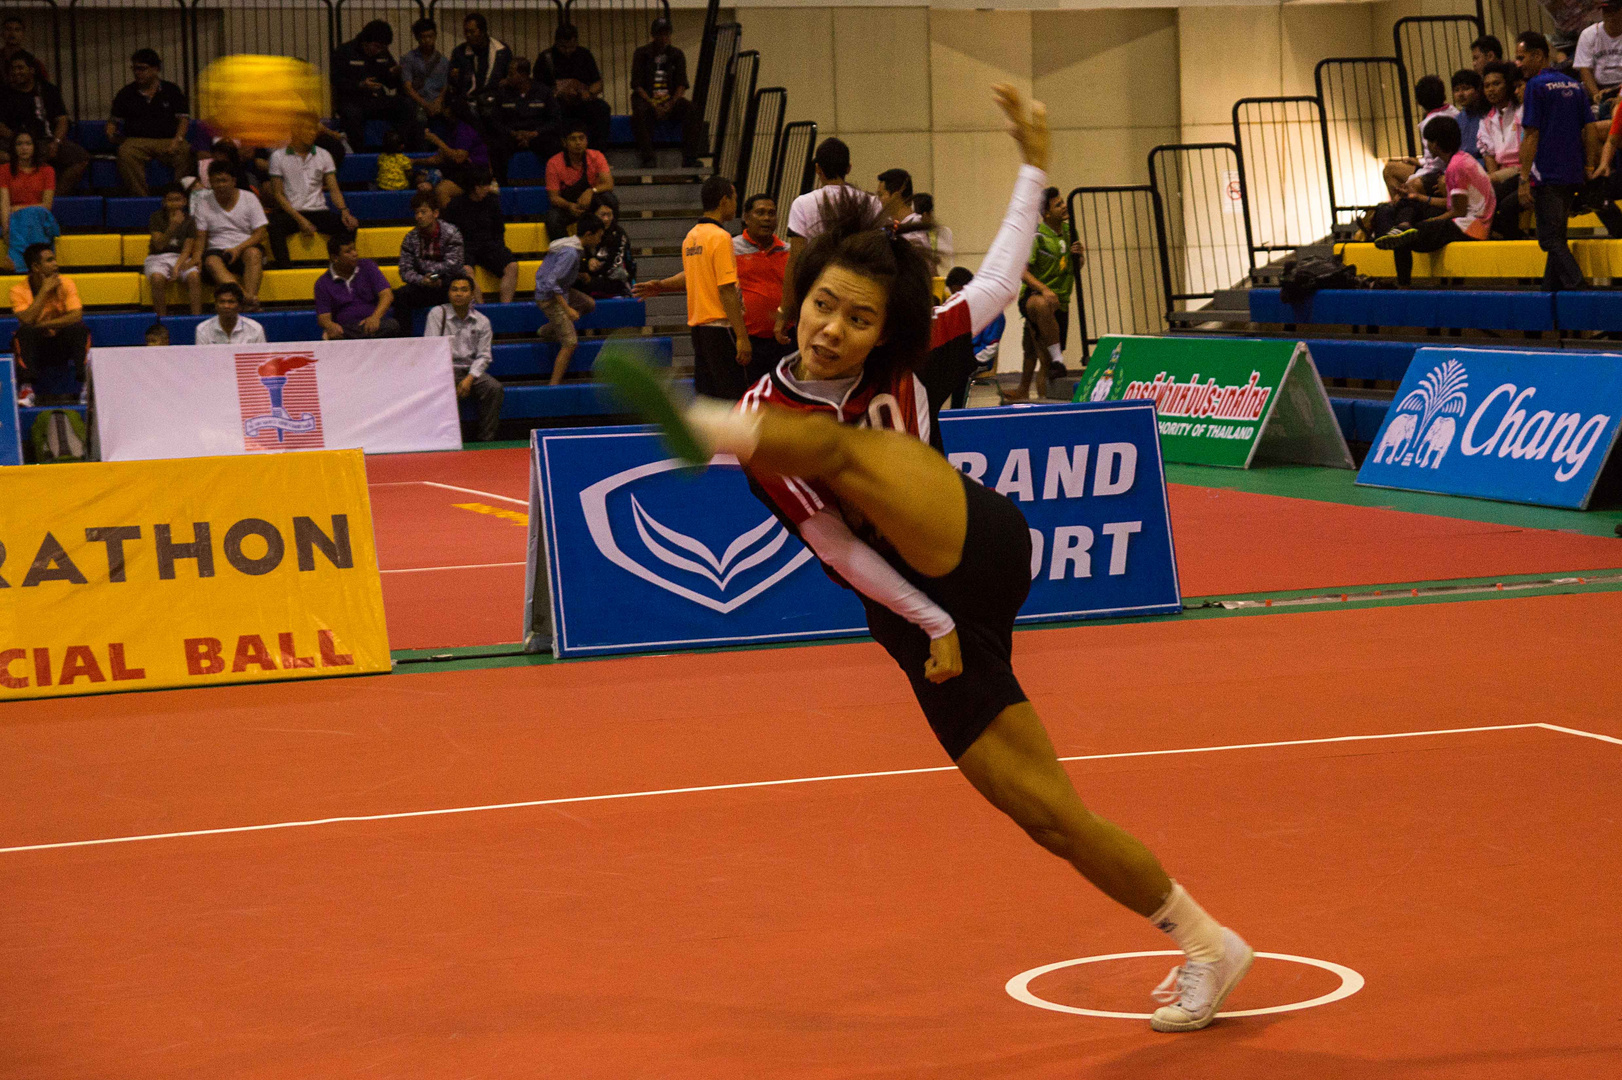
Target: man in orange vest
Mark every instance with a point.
(762, 261)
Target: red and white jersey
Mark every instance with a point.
(909, 403)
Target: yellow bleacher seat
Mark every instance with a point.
(95, 249)
(1487, 259)
(297, 285)
(95, 290)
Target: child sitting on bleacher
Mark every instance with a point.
(393, 167)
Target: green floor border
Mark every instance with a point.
(1340, 486)
(479, 658)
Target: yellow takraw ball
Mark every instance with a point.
(259, 100)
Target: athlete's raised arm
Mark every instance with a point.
(997, 282)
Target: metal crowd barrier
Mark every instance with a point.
(1201, 188)
(1125, 286)
(757, 163)
(1367, 119)
(1286, 170)
(793, 173)
(1436, 45)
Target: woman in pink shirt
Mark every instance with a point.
(1467, 207)
(1499, 140)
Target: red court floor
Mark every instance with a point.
(455, 576)
(855, 925)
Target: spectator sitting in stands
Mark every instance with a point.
(1045, 300)
(480, 60)
(921, 228)
(302, 179)
(353, 298)
(578, 84)
(425, 74)
(470, 336)
(555, 293)
(30, 105)
(986, 344)
(430, 255)
(894, 192)
(393, 166)
(1499, 140)
(610, 269)
(227, 152)
(525, 117)
(426, 182)
(231, 227)
(1553, 156)
(465, 150)
(14, 40)
(157, 335)
(573, 176)
(173, 252)
(1469, 99)
(1570, 18)
(365, 85)
(1417, 176)
(658, 93)
(805, 213)
(33, 222)
(1485, 50)
(229, 326)
(1598, 62)
(1467, 208)
(51, 335)
(150, 117)
(476, 213)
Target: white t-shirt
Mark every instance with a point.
(245, 332)
(1598, 50)
(301, 177)
(805, 216)
(1499, 136)
(228, 229)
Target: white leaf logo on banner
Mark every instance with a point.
(668, 545)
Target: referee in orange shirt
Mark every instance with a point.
(721, 348)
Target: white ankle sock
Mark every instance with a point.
(1195, 932)
(1055, 353)
(723, 428)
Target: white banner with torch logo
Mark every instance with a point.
(385, 397)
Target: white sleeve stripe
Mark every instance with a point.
(800, 486)
(920, 401)
(997, 282)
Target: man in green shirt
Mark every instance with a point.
(1045, 300)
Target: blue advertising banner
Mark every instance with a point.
(640, 553)
(11, 432)
(1528, 427)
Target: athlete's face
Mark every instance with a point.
(840, 323)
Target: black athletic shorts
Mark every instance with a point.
(983, 595)
(490, 256)
(1060, 316)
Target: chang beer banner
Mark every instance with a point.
(11, 431)
(631, 551)
(191, 572)
(1223, 401)
(1516, 426)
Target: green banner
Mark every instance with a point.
(1233, 402)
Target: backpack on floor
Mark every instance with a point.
(58, 435)
(1303, 277)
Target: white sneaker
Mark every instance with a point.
(1192, 993)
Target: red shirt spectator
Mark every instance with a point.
(560, 174)
(761, 265)
(27, 188)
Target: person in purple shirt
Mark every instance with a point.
(352, 298)
(457, 156)
(1553, 160)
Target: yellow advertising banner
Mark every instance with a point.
(187, 572)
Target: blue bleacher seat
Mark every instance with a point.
(380, 205)
(103, 175)
(1588, 309)
(131, 214)
(362, 168)
(1378, 360)
(529, 201)
(526, 165)
(92, 135)
(1429, 308)
(524, 317)
(620, 133)
(79, 212)
(570, 399)
(533, 359)
(1359, 420)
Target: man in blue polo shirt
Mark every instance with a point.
(1552, 156)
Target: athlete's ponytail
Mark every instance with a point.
(859, 238)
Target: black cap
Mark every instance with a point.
(661, 25)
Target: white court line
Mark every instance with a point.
(756, 784)
(469, 566)
(450, 487)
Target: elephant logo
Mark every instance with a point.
(1434, 446)
(1397, 435)
(1422, 431)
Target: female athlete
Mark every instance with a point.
(841, 442)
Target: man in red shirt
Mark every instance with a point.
(762, 261)
(573, 176)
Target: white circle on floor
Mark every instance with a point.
(1019, 987)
